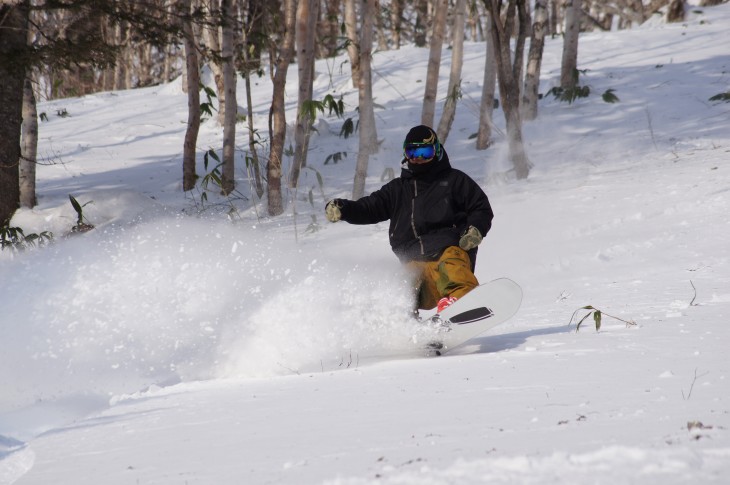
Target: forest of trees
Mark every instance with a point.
(60, 48)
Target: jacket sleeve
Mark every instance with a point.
(371, 209)
(476, 204)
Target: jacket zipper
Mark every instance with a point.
(413, 216)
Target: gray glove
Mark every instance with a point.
(332, 210)
(470, 239)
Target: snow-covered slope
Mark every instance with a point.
(174, 345)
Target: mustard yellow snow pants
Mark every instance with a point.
(450, 275)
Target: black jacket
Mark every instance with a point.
(429, 208)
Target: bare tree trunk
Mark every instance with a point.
(524, 27)
(307, 13)
(457, 61)
(144, 72)
(107, 80)
(353, 48)
(396, 21)
(258, 18)
(484, 135)
(193, 83)
(676, 11)
(168, 49)
(13, 48)
(106, 76)
(509, 86)
(380, 28)
(212, 36)
(277, 115)
(534, 61)
(119, 78)
(29, 146)
(329, 26)
(368, 141)
(554, 17)
(167, 65)
(254, 160)
(434, 62)
(473, 23)
(184, 74)
(255, 164)
(637, 7)
(128, 56)
(228, 176)
(569, 65)
(420, 30)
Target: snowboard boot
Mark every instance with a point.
(444, 302)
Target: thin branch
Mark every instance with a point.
(692, 303)
(651, 127)
(691, 387)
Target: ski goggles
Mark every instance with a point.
(419, 151)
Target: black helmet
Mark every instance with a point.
(422, 135)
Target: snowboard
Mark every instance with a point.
(484, 307)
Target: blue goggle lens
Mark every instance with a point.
(420, 151)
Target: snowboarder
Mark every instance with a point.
(438, 216)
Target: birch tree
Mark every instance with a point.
(353, 50)
(329, 29)
(569, 64)
(434, 62)
(121, 38)
(28, 146)
(193, 92)
(307, 13)
(554, 17)
(368, 137)
(457, 60)
(277, 113)
(249, 65)
(676, 11)
(28, 136)
(170, 50)
(258, 15)
(396, 22)
(228, 22)
(212, 36)
(81, 35)
(484, 135)
(13, 66)
(420, 29)
(509, 75)
(534, 61)
(380, 27)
